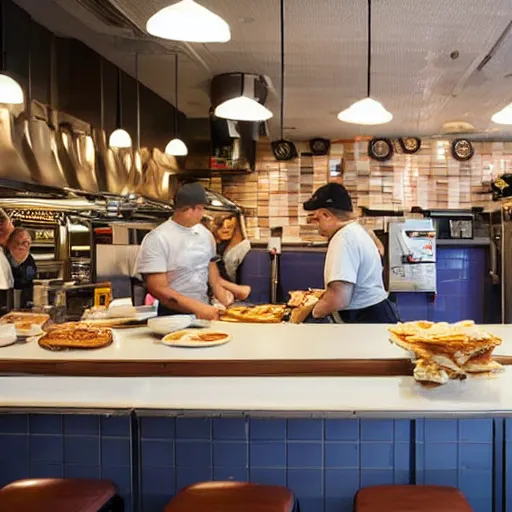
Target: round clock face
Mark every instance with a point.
(283, 150)
(462, 149)
(319, 146)
(380, 149)
(410, 144)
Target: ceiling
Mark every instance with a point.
(413, 74)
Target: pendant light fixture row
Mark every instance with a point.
(367, 111)
(10, 90)
(176, 147)
(188, 21)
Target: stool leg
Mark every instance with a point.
(115, 504)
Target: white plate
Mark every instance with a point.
(168, 324)
(190, 343)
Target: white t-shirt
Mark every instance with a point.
(353, 257)
(6, 278)
(183, 253)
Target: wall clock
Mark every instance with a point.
(462, 150)
(410, 145)
(380, 149)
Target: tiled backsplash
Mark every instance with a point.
(432, 178)
(323, 461)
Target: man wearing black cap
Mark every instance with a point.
(353, 270)
(176, 259)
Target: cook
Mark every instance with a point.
(176, 260)
(355, 290)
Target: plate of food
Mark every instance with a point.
(76, 336)
(26, 324)
(163, 325)
(194, 338)
(442, 351)
(261, 314)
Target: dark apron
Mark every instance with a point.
(163, 311)
(384, 312)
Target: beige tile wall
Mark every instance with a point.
(431, 178)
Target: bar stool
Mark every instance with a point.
(60, 495)
(404, 498)
(233, 497)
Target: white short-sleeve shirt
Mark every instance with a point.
(353, 257)
(6, 278)
(183, 253)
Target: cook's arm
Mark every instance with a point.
(336, 298)
(220, 291)
(158, 287)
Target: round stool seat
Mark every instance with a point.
(408, 498)
(56, 495)
(232, 497)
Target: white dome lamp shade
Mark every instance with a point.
(190, 22)
(10, 91)
(503, 116)
(176, 147)
(244, 107)
(119, 138)
(367, 111)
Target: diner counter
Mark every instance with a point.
(308, 370)
(254, 350)
(391, 397)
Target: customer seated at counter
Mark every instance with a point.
(353, 270)
(23, 266)
(177, 261)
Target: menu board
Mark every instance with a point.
(412, 256)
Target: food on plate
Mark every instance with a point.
(196, 336)
(25, 323)
(262, 314)
(445, 351)
(303, 303)
(76, 336)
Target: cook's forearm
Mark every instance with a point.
(337, 297)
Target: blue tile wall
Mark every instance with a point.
(460, 282)
(323, 461)
(77, 446)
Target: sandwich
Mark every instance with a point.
(261, 314)
(445, 351)
(303, 303)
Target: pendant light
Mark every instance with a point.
(244, 107)
(119, 138)
(283, 149)
(367, 111)
(503, 116)
(188, 21)
(10, 90)
(176, 147)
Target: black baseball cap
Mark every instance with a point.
(332, 195)
(190, 194)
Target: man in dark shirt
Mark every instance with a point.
(23, 265)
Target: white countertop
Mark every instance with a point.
(249, 342)
(303, 396)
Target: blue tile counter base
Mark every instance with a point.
(324, 461)
(461, 283)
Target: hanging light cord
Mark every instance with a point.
(119, 116)
(369, 65)
(282, 68)
(138, 98)
(176, 95)
(2, 38)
